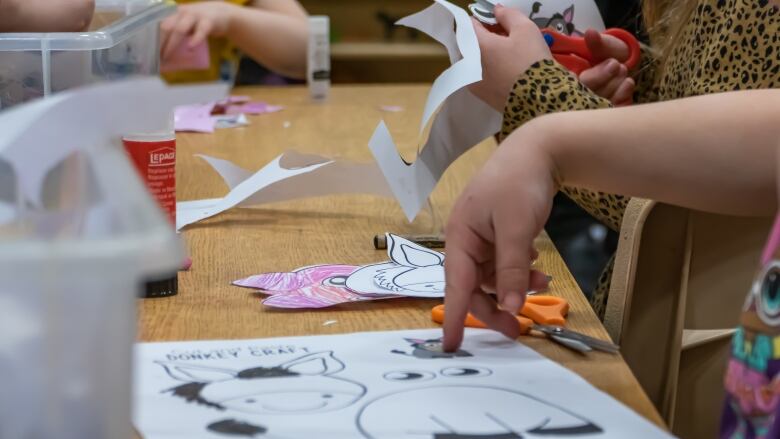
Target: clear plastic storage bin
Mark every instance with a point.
(77, 241)
(123, 40)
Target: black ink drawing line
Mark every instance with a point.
(430, 349)
(396, 399)
(302, 385)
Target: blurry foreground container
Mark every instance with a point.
(78, 235)
(122, 41)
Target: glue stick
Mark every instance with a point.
(154, 156)
(318, 65)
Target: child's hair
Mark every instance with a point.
(664, 21)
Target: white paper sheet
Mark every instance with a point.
(462, 122)
(372, 385)
(111, 110)
(290, 176)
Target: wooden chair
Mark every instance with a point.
(680, 279)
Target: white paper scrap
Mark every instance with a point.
(290, 176)
(398, 385)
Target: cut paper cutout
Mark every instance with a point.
(319, 286)
(291, 175)
(462, 122)
(357, 386)
(414, 271)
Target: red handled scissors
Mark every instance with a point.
(573, 53)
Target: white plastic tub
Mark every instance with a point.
(122, 41)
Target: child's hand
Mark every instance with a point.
(194, 22)
(490, 238)
(505, 57)
(608, 79)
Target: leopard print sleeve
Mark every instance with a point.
(547, 87)
(646, 89)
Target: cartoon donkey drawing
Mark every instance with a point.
(430, 349)
(560, 22)
(414, 271)
(303, 385)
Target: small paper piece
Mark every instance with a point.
(230, 121)
(380, 385)
(291, 175)
(113, 110)
(187, 58)
(226, 113)
(392, 108)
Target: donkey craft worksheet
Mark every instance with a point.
(369, 385)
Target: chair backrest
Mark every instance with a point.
(679, 282)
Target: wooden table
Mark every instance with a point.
(334, 229)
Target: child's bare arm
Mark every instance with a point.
(274, 33)
(45, 15)
(717, 153)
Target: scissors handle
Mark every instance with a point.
(546, 310)
(437, 315)
(574, 54)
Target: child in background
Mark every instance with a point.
(675, 152)
(698, 47)
(272, 32)
(45, 15)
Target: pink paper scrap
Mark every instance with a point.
(187, 58)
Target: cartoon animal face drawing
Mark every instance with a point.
(428, 349)
(414, 271)
(303, 385)
(560, 22)
(463, 411)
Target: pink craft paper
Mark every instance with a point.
(187, 58)
(307, 276)
(309, 287)
(253, 108)
(317, 296)
(195, 118)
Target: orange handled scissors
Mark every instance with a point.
(573, 53)
(545, 314)
(544, 310)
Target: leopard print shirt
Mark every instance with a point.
(726, 45)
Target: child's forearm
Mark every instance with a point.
(276, 40)
(45, 15)
(717, 153)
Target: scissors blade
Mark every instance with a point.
(571, 344)
(594, 343)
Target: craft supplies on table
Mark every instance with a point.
(545, 314)
(154, 157)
